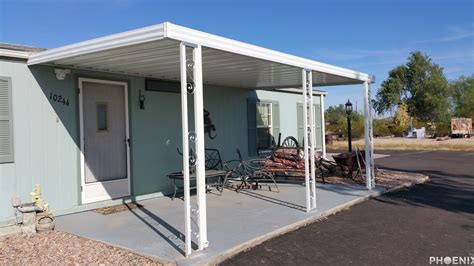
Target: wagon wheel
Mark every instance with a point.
(290, 142)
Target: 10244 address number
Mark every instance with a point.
(58, 98)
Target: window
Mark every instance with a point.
(162, 86)
(264, 124)
(6, 120)
(102, 117)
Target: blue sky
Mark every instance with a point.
(369, 36)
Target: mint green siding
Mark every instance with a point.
(289, 115)
(318, 133)
(46, 133)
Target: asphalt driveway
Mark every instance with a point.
(406, 227)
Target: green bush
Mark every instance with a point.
(381, 128)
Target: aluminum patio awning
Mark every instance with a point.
(171, 52)
(154, 52)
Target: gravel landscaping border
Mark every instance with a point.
(60, 248)
(387, 179)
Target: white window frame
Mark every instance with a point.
(271, 115)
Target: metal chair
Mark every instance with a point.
(249, 173)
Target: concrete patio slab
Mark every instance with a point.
(236, 221)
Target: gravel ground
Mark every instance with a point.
(57, 247)
(383, 178)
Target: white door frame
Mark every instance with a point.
(81, 135)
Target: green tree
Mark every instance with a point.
(336, 118)
(419, 84)
(382, 127)
(333, 113)
(401, 119)
(463, 96)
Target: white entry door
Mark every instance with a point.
(104, 140)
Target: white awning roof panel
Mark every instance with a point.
(154, 52)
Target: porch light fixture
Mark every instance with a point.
(349, 130)
(348, 107)
(141, 99)
(61, 73)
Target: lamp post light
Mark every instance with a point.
(349, 130)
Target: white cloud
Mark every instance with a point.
(357, 54)
(452, 70)
(454, 34)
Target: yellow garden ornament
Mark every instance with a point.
(36, 198)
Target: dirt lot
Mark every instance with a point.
(411, 144)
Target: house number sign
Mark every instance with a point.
(58, 98)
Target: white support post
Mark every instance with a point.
(185, 133)
(313, 139)
(323, 125)
(200, 154)
(305, 139)
(371, 136)
(368, 137)
(309, 139)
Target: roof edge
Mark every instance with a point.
(14, 54)
(141, 35)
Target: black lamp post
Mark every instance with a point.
(349, 130)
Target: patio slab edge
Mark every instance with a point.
(292, 227)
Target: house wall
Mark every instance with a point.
(45, 134)
(46, 142)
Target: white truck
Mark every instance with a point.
(461, 127)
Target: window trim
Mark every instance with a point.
(271, 114)
(270, 126)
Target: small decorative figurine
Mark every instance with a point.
(36, 198)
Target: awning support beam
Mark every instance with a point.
(308, 139)
(200, 152)
(369, 139)
(185, 139)
(194, 87)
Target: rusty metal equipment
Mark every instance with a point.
(461, 127)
